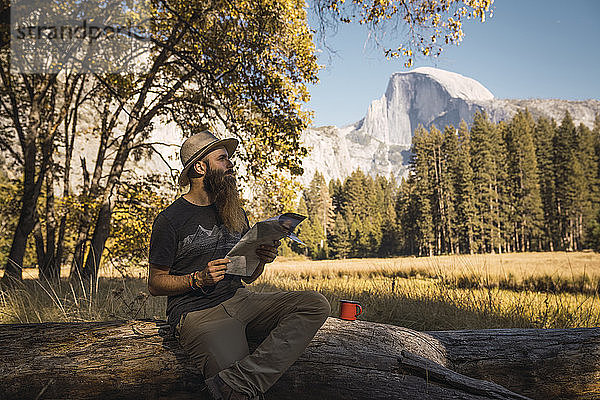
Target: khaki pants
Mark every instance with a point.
(216, 338)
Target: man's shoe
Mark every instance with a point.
(219, 390)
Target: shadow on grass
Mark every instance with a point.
(128, 298)
(106, 299)
(421, 314)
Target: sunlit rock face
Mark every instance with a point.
(423, 96)
(380, 142)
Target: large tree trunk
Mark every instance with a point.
(99, 237)
(37, 130)
(27, 131)
(345, 360)
(13, 271)
(49, 266)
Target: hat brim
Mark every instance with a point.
(230, 145)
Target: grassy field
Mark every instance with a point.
(545, 290)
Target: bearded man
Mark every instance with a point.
(211, 312)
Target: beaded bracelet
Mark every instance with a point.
(193, 279)
(194, 282)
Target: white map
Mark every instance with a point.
(243, 255)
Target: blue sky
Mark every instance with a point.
(528, 49)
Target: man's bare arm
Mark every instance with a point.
(161, 283)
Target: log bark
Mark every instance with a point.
(345, 360)
(539, 363)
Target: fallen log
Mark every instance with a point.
(345, 360)
(539, 363)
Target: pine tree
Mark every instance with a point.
(596, 141)
(318, 204)
(596, 135)
(484, 147)
(422, 180)
(450, 171)
(523, 181)
(340, 245)
(465, 191)
(335, 192)
(373, 218)
(352, 207)
(593, 232)
(438, 206)
(544, 133)
(503, 198)
(569, 182)
(311, 232)
(406, 217)
(389, 227)
(588, 198)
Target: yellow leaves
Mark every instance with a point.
(424, 20)
(273, 193)
(132, 219)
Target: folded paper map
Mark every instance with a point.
(243, 255)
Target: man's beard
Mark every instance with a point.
(222, 188)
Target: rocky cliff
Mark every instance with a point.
(380, 142)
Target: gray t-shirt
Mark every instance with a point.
(185, 237)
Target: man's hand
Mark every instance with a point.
(214, 272)
(266, 253)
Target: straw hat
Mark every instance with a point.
(197, 146)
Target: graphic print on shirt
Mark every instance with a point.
(205, 241)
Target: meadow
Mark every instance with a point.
(537, 290)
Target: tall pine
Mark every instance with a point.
(421, 180)
(318, 206)
(544, 133)
(465, 192)
(484, 148)
(523, 182)
(387, 205)
(449, 176)
(569, 182)
(588, 199)
(593, 233)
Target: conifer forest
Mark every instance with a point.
(513, 186)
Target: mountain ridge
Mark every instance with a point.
(424, 96)
(378, 143)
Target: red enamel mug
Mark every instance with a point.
(349, 310)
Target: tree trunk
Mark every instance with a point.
(14, 264)
(361, 360)
(42, 123)
(139, 117)
(470, 236)
(101, 233)
(31, 183)
(38, 237)
(49, 266)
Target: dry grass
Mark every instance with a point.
(546, 290)
(549, 290)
